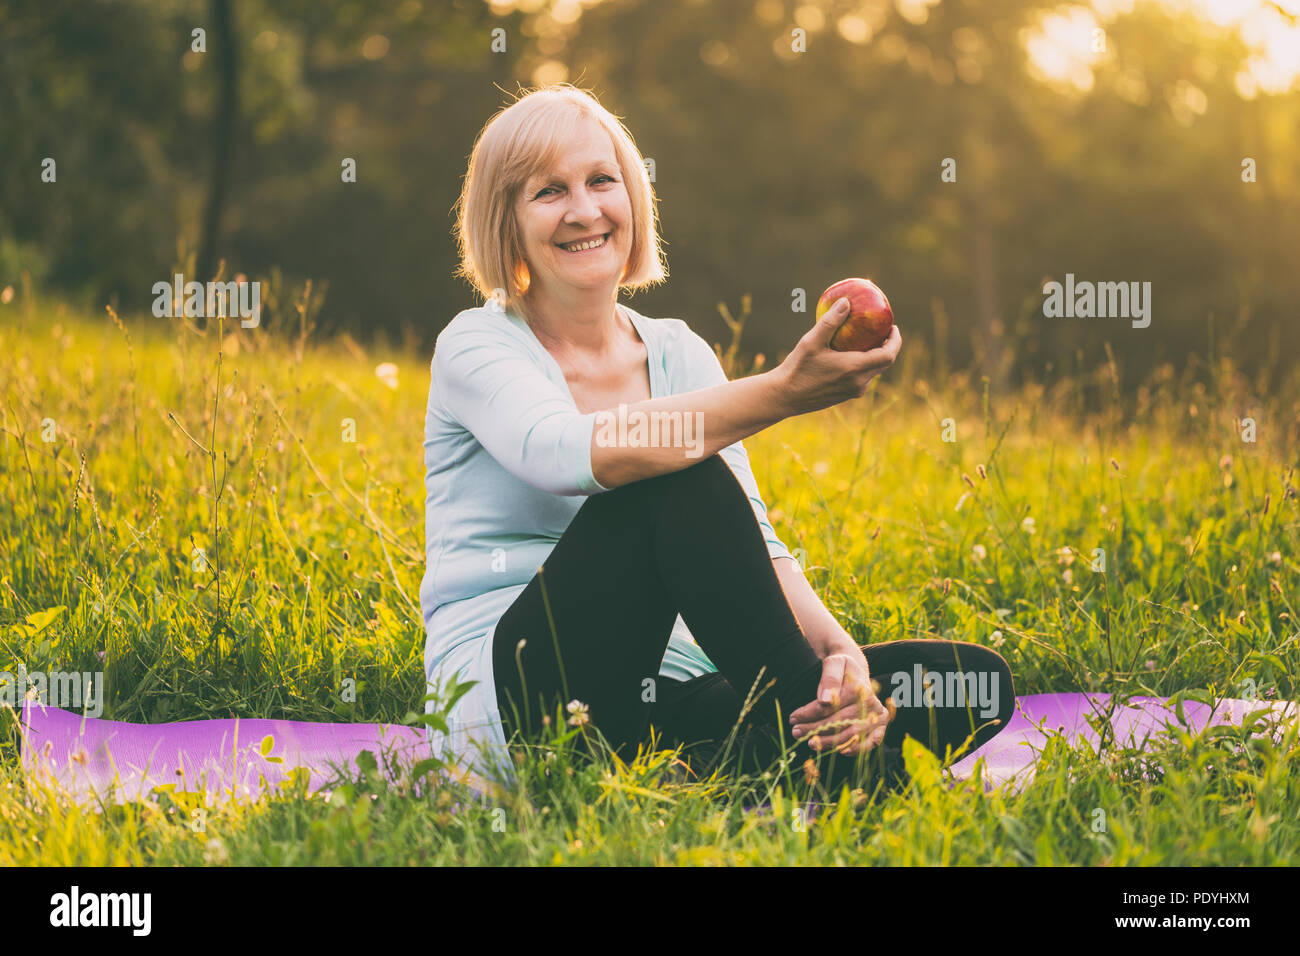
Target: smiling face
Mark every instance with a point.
(582, 198)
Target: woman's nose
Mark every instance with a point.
(582, 207)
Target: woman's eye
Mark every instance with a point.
(598, 178)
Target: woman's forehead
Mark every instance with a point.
(577, 164)
(586, 150)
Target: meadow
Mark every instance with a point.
(229, 522)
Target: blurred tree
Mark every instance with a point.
(794, 144)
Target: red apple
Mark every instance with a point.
(869, 320)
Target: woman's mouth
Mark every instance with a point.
(587, 245)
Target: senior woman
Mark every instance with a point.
(579, 570)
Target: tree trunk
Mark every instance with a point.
(223, 128)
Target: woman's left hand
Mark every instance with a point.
(847, 707)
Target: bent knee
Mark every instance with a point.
(708, 471)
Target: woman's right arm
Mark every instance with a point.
(711, 419)
(813, 376)
(528, 423)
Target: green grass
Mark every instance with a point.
(314, 553)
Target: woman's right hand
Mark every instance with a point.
(816, 376)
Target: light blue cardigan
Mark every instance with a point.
(507, 460)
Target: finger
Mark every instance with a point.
(850, 738)
(856, 690)
(829, 688)
(826, 326)
(858, 739)
(837, 733)
(862, 695)
(852, 690)
(883, 355)
(851, 706)
(850, 716)
(810, 713)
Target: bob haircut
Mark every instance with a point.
(522, 140)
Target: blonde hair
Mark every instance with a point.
(520, 141)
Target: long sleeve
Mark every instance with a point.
(699, 368)
(483, 379)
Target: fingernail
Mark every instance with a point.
(841, 304)
(797, 732)
(824, 697)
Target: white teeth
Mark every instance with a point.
(592, 244)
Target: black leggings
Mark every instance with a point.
(687, 542)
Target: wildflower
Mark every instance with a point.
(810, 772)
(966, 478)
(1114, 464)
(982, 473)
(215, 851)
(979, 552)
(101, 655)
(1065, 555)
(996, 639)
(578, 711)
(961, 501)
(1225, 462)
(1027, 525)
(387, 373)
(1150, 665)
(1276, 557)
(1067, 576)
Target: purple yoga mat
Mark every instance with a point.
(1010, 757)
(82, 755)
(220, 757)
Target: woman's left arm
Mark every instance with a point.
(824, 633)
(845, 689)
